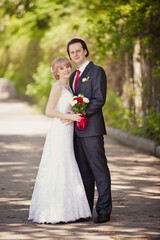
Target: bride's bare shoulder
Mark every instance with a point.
(56, 88)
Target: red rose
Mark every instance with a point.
(79, 99)
(75, 98)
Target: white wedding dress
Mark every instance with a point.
(59, 194)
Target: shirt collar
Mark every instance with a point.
(81, 69)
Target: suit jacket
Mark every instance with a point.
(94, 89)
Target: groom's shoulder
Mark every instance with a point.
(97, 67)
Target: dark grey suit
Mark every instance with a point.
(88, 144)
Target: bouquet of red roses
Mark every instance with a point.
(79, 104)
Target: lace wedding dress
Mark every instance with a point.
(59, 194)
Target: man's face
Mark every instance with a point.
(77, 54)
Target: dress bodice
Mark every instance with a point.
(63, 104)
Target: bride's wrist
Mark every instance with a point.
(68, 117)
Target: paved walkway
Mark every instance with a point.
(135, 184)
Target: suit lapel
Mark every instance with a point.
(86, 70)
(71, 81)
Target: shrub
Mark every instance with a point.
(39, 89)
(120, 117)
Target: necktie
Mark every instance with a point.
(75, 84)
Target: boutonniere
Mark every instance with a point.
(85, 79)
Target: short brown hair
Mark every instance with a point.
(58, 62)
(78, 40)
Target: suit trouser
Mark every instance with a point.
(92, 162)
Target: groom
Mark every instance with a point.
(89, 143)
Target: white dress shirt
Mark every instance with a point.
(81, 69)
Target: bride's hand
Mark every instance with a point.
(75, 117)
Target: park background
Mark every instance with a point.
(123, 37)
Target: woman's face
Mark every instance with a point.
(64, 71)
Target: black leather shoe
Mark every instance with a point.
(102, 218)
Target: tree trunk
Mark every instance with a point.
(137, 76)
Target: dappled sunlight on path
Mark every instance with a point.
(135, 184)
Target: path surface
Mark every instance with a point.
(135, 184)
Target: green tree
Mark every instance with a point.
(122, 36)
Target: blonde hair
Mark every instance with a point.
(57, 63)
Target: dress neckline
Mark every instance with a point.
(69, 90)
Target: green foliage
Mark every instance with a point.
(151, 125)
(79, 104)
(119, 117)
(115, 114)
(40, 88)
(32, 33)
(120, 23)
(20, 62)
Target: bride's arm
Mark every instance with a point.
(55, 94)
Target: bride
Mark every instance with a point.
(59, 194)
